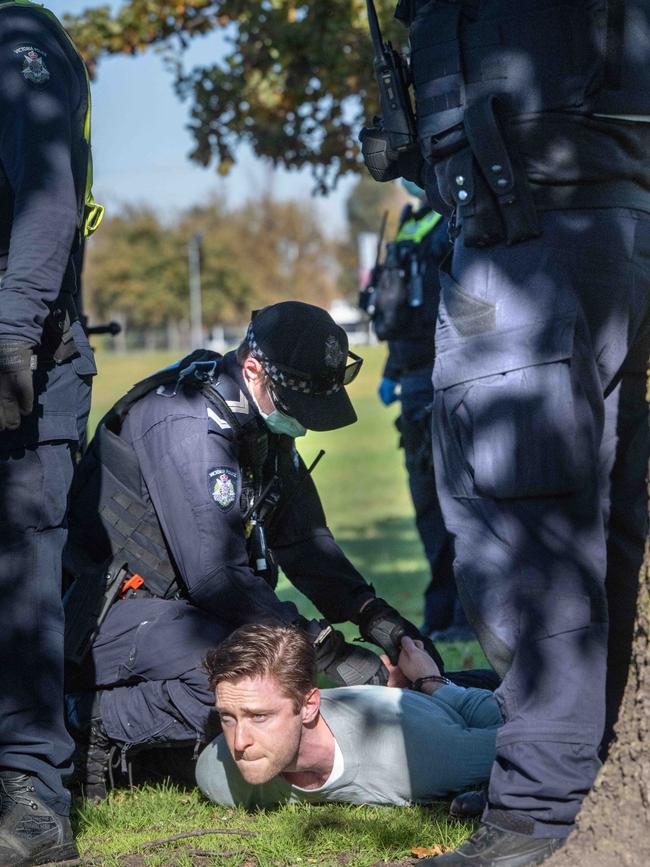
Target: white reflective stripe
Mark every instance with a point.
(220, 421)
(240, 406)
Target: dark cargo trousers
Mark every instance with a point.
(36, 468)
(34, 484)
(147, 661)
(541, 448)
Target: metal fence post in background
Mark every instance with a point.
(196, 312)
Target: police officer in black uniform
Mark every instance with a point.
(46, 367)
(403, 301)
(189, 497)
(533, 119)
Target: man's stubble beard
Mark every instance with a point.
(257, 773)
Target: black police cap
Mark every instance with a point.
(305, 355)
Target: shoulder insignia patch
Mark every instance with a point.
(34, 68)
(222, 485)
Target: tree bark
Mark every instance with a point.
(613, 828)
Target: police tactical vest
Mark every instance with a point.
(399, 296)
(90, 212)
(584, 56)
(414, 229)
(111, 524)
(487, 71)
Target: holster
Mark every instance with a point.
(58, 340)
(415, 439)
(489, 184)
(86, 604)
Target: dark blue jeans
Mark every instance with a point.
(541, 447)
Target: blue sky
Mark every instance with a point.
(140, 143)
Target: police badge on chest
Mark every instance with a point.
(222, 485)
(34, 68)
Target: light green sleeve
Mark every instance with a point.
(215, 778)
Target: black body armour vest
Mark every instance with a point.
(587, 56)
(111, 525)
(486, 70)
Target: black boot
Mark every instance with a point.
(491, 846)
(93, 747)
(30, 832)
(469, 805)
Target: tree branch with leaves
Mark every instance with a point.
(292, 81)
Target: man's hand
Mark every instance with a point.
(415, 662)
(396, 677)
(346, 664)
(381, 624)
(16, 383)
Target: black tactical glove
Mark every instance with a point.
(17, 364)
(386, 164)
(381, 624)
(345, 664)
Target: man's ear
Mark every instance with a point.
(252, 367)
(311, 706)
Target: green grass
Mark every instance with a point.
(363, 486)
(330, 834)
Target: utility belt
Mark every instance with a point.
(486, 182)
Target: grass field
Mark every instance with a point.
(363, 487)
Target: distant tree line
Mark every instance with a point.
(136, 267)
(266, 250)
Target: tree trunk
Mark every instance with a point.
(613, 828)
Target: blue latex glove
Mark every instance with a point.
(387, 391)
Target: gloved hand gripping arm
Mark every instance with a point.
(381, 624)
(345, 664)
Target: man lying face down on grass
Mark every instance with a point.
(284, 740)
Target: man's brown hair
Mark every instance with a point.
(266, 650)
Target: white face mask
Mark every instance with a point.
(279, 423)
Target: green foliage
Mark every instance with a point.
(291, 84)
(251, 256)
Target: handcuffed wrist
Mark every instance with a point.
(429, 678)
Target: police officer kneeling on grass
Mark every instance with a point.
(190, 496)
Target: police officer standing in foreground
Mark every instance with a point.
(46, 367)
(188, 499)
(402, 300)
(533, 121)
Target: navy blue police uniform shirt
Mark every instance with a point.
(43, 99)
(40, 95)
(183, 447)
